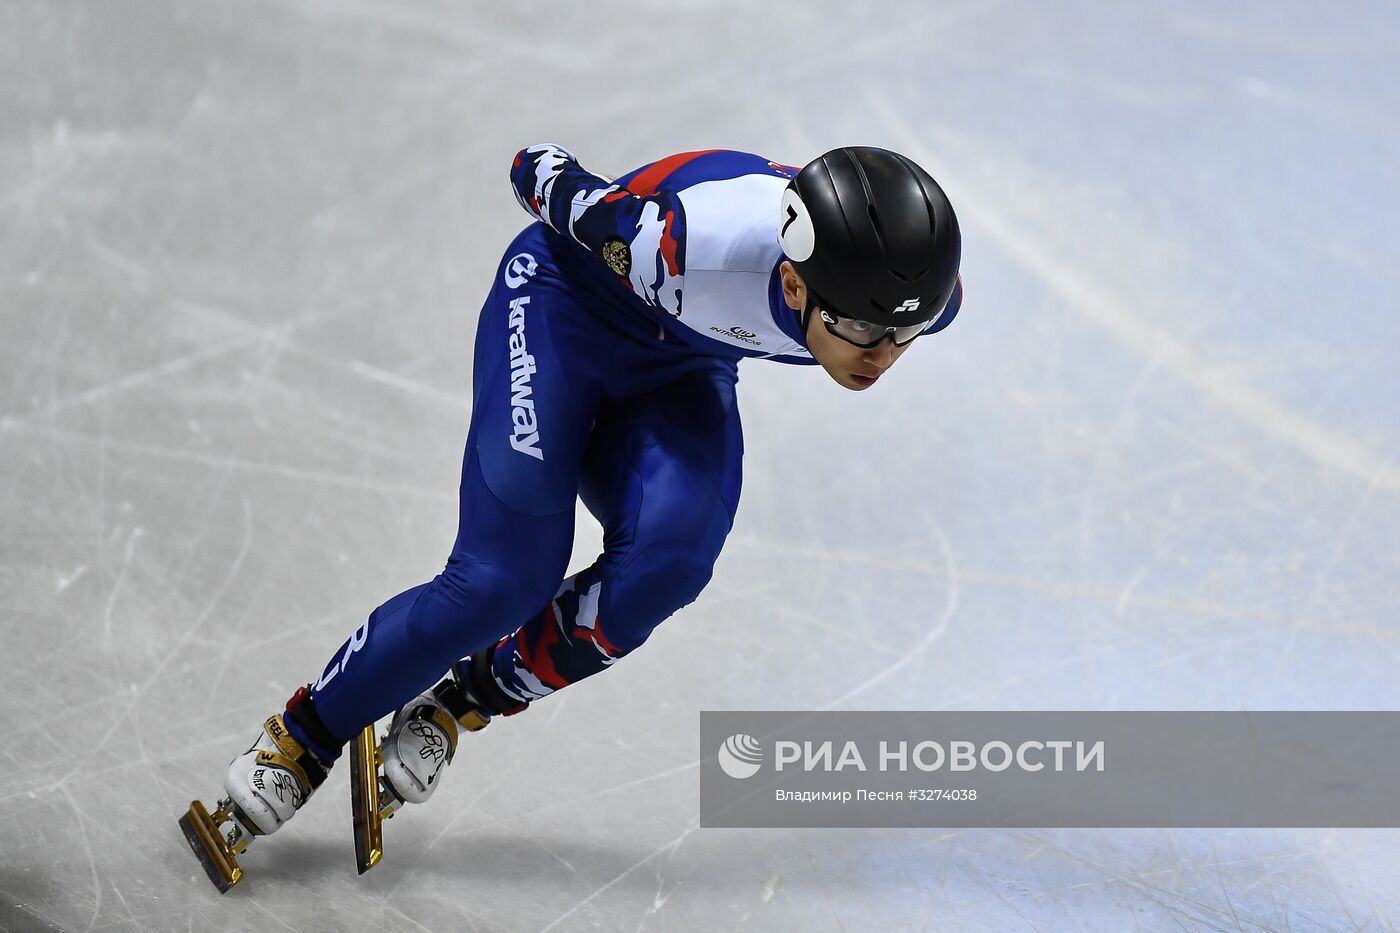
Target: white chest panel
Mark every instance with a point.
(731, 246)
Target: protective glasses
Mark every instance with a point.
(865, 335)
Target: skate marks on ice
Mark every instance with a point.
(668, 847)
(379, 111)
(934, 628)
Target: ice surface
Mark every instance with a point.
(1154, 465)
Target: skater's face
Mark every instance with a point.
(851, 366)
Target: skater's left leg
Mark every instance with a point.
(662, 473)
(541, 367)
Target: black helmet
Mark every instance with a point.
(873, 237)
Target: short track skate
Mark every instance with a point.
(404, 766)
(264, 787)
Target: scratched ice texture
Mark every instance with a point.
(1154, 465)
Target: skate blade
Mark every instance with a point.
(208, 845)
(364, 801)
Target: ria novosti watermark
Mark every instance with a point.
(741, 755)
(1050, 769)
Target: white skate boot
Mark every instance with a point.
(407, 765)
(263, 788)
(421, 741)
(269, 782)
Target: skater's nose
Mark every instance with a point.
(882, 354)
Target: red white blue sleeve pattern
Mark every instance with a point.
(640, 238)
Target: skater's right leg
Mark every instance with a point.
(539, 371)
(400, 650)
(540, 365)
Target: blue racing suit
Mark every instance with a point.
(605, 369)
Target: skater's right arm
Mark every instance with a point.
(640, 238)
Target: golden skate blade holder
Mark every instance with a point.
(364, 801)
(209, 846)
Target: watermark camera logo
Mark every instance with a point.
(740, 756)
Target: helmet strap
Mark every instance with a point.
(806, 316)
